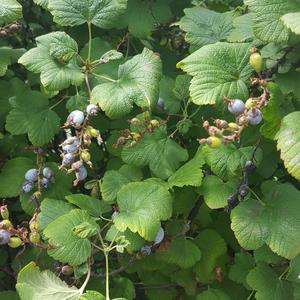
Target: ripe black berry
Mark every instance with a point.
(249, 166)
(243, 190)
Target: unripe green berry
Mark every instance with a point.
(154, 123)
(135, 136)
(233, 126)
(34, 237)
(15, 242)
(6, 224)
(250, 103)
(214, 142)
(92, 131)
(34, 226)
(4, 212)
(256, 61)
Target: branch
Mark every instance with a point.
(242, 188)
(87, 83)
(155, 286)
(119, 270)
(194, 211)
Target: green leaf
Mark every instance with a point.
(283, 220)
(137, 83)
(181, 252)
(85, 230)
(8, 56)
(213, 294)
(101, 13)
(77, 102)
(294, 270)
(43, 3)
(142, 205)
(55, 75)
(267, 23)
(267, 285)
(212, 247)
(216, 198)
(135, 241)
(181, 88)
(122, 289)
(292, 21)
(33, 284)
(52, 209)
(189, 174)
(272, 113)
(38, 121)
(276, 223)
(242, 31)
(9, 295)
(170, 99)
(68, 247)
(265, 254)
(247, 224)
(243, 263)
(10, 10)
(12, 176)
(218, 70)
(227, 161)
(113, 181)
(157, 150)
(63, 47)
(204, 26)
(141, 22)
(111, 55)
(93, 206)
(288, 142)
(91, 295)
(289, 82)
(185, 278)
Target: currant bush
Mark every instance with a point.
(149, 149)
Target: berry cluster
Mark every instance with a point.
(75, 147)
(16, 237)
(9, 29)
(247, 113)
(34, 227)
(33, 178)
(8, 234)
(141, 127)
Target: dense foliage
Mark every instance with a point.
(150, 149)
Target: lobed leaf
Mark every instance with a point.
(137, 83)
(288, 142)
(101, 13)
(218, 70)
(142, 205)
(267, 23)
(68, 247)
(33, 284)
(157, 150)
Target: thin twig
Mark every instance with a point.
(86, 279)
(155, 287)
(234, 199)
(194, 212)
(87, 83)
(119, 270)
